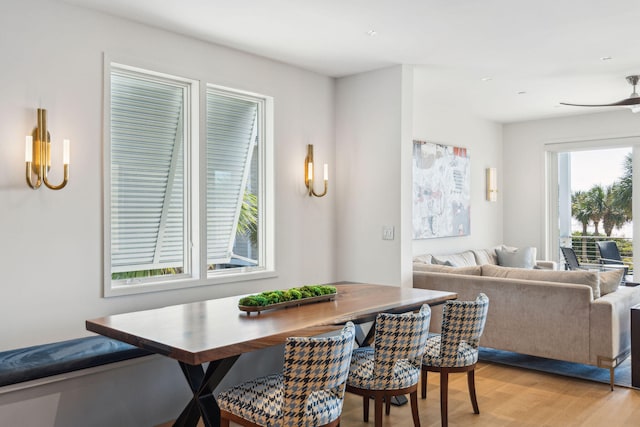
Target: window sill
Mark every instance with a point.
(142, 287)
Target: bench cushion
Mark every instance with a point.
(40, 361)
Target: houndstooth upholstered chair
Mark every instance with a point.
(456, 348)
(392, 366)
(308, 393)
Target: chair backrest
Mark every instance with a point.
(570, 258)
(312, 365)
(609, 253)
(462, 322)
(399, 337)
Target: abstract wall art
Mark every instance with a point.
(441, 190)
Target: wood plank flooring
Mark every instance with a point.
(512, 397)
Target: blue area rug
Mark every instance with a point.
(577, 370)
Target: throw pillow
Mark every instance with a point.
(520, 258)
(610, 280)
(485, 256)
(461, 259)
(436, 261)
(425, 259)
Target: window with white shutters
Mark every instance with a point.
(232, 129)
(156, 234)
(148, 218)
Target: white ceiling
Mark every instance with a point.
(550, 49)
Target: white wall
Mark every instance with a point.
(369, 142)
(51, 250)
(524, 166)
(52, 240)
(445, 122)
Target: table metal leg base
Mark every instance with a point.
(399, 400)
(202, 383)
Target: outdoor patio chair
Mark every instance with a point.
(571, 259)
(610, 255)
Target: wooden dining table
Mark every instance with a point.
(216, 333)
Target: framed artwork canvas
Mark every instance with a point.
(441, 190)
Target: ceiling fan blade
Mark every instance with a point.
(629, 101)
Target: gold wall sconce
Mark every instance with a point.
(492, 184)
(308, 173)
(37, 153)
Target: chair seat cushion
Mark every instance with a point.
(260, 401)
(361, 372)
(45, 360)
(465, 356)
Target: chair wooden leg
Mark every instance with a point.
(378, 410)
(423, 383)
(224, 422)
(444, 396)
(472, 390)
(365, 408)
(414, 408)
(387, 405)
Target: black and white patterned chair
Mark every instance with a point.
(309, 392)
(456, 348)
(392, 366)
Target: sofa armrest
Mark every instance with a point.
(610, 323)
(546, 265)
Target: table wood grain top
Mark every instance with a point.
(215, 329)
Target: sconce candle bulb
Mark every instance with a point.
(38, 155)
(492, 184)
(308, 173)
(65, 151)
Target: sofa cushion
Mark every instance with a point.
(610, 280)
(485, 256)
(520, 258)
(589, 278)
(471, 270)
(424, 259)
(461, 259)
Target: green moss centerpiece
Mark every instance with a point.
(286, 298)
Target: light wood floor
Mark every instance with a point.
(512, 397)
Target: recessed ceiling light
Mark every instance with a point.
(372, 33)
(486, 79)
(606, 58)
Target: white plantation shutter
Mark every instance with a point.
(147, 173)
(231, 135)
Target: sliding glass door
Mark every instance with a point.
(589, 197)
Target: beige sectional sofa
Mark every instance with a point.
(485, 256)
(577, 316)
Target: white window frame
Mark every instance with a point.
(266, 246)
(551, 210)
(195, 192)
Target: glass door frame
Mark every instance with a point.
(554, 178)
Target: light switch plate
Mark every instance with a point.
(388, 232)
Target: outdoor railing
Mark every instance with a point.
(587, 252)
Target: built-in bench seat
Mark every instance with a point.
(46, 360)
